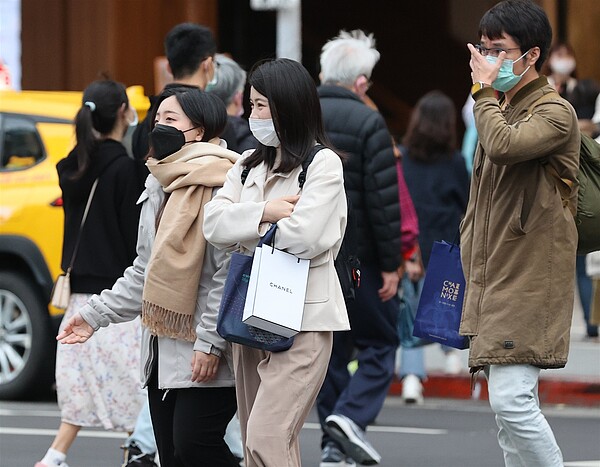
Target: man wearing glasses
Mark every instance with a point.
(518, 237)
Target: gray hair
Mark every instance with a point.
(231, 79)
(348, 56)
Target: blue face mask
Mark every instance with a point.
(506, 79)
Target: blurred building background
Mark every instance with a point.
(65, 44)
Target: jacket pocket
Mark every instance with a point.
(317, 290)
(520, 214)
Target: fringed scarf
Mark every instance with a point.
(173, 272)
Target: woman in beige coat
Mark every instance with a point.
(275, 391)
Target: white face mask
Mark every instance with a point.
(562, 66)
(135, 120)
(264, 131)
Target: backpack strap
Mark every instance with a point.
(244, 174)
(307, 162)
(565, 186)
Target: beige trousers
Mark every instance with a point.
(275, 392)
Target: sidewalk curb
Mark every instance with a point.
(578, 392)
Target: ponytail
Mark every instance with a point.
(97, 116)
(84, 132)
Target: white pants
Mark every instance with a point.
(525, 436)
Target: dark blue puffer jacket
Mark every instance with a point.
(369, 173)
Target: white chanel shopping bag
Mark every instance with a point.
(276, 291)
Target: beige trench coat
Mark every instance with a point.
(518, 239)
(314, 231)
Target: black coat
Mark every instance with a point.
(369, 173)
(440, 191)
(109, 237)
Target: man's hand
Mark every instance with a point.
(482, 70)
(76, 331)
(204, 367)
(279, 208)
(390, 285)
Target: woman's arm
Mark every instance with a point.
(227, 221)
(318, 221)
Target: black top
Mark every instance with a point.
(440, 191)
(582, 97)
(370, 173)
(109, 235)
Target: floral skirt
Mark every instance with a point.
(98, 382)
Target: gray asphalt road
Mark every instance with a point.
(440, 433)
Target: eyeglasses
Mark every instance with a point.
(493, 51)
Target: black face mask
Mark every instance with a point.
(167, 140)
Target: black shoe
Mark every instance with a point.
(134, 457)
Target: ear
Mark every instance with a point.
(361, 85)
(206, 63)
(533, 56)
(199, 134)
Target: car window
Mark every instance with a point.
(21, 146)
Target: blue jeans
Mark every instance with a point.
(584, 285)
(524, 433)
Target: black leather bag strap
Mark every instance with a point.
(307, 162)
(85, 213)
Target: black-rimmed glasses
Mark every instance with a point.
(493, 51)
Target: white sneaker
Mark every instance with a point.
(352, 438)
(412, 390)
(454, 365)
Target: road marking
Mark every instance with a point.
(391, 429)
(40, 432)
(29, 413)
(109, 434)
(583, 464)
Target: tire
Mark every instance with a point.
(27, 347)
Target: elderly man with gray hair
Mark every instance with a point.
(230, 88)
(347, 404)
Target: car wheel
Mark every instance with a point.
(27, 350)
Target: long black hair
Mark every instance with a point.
(99, 111)
(295, 110)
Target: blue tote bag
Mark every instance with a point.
(440, 306)
(229, 324)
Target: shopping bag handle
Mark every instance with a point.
(269, 237)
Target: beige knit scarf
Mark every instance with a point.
(173, 272)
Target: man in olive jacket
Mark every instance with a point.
(518, 236)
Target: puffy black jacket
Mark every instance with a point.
(369, 173)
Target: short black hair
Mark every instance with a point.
(523, 20)
(187, 45)
(205, 110)
(295, 110)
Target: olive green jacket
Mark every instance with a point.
(518, 238)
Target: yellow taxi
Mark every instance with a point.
(36, 131)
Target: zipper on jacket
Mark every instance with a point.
(150, 360)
